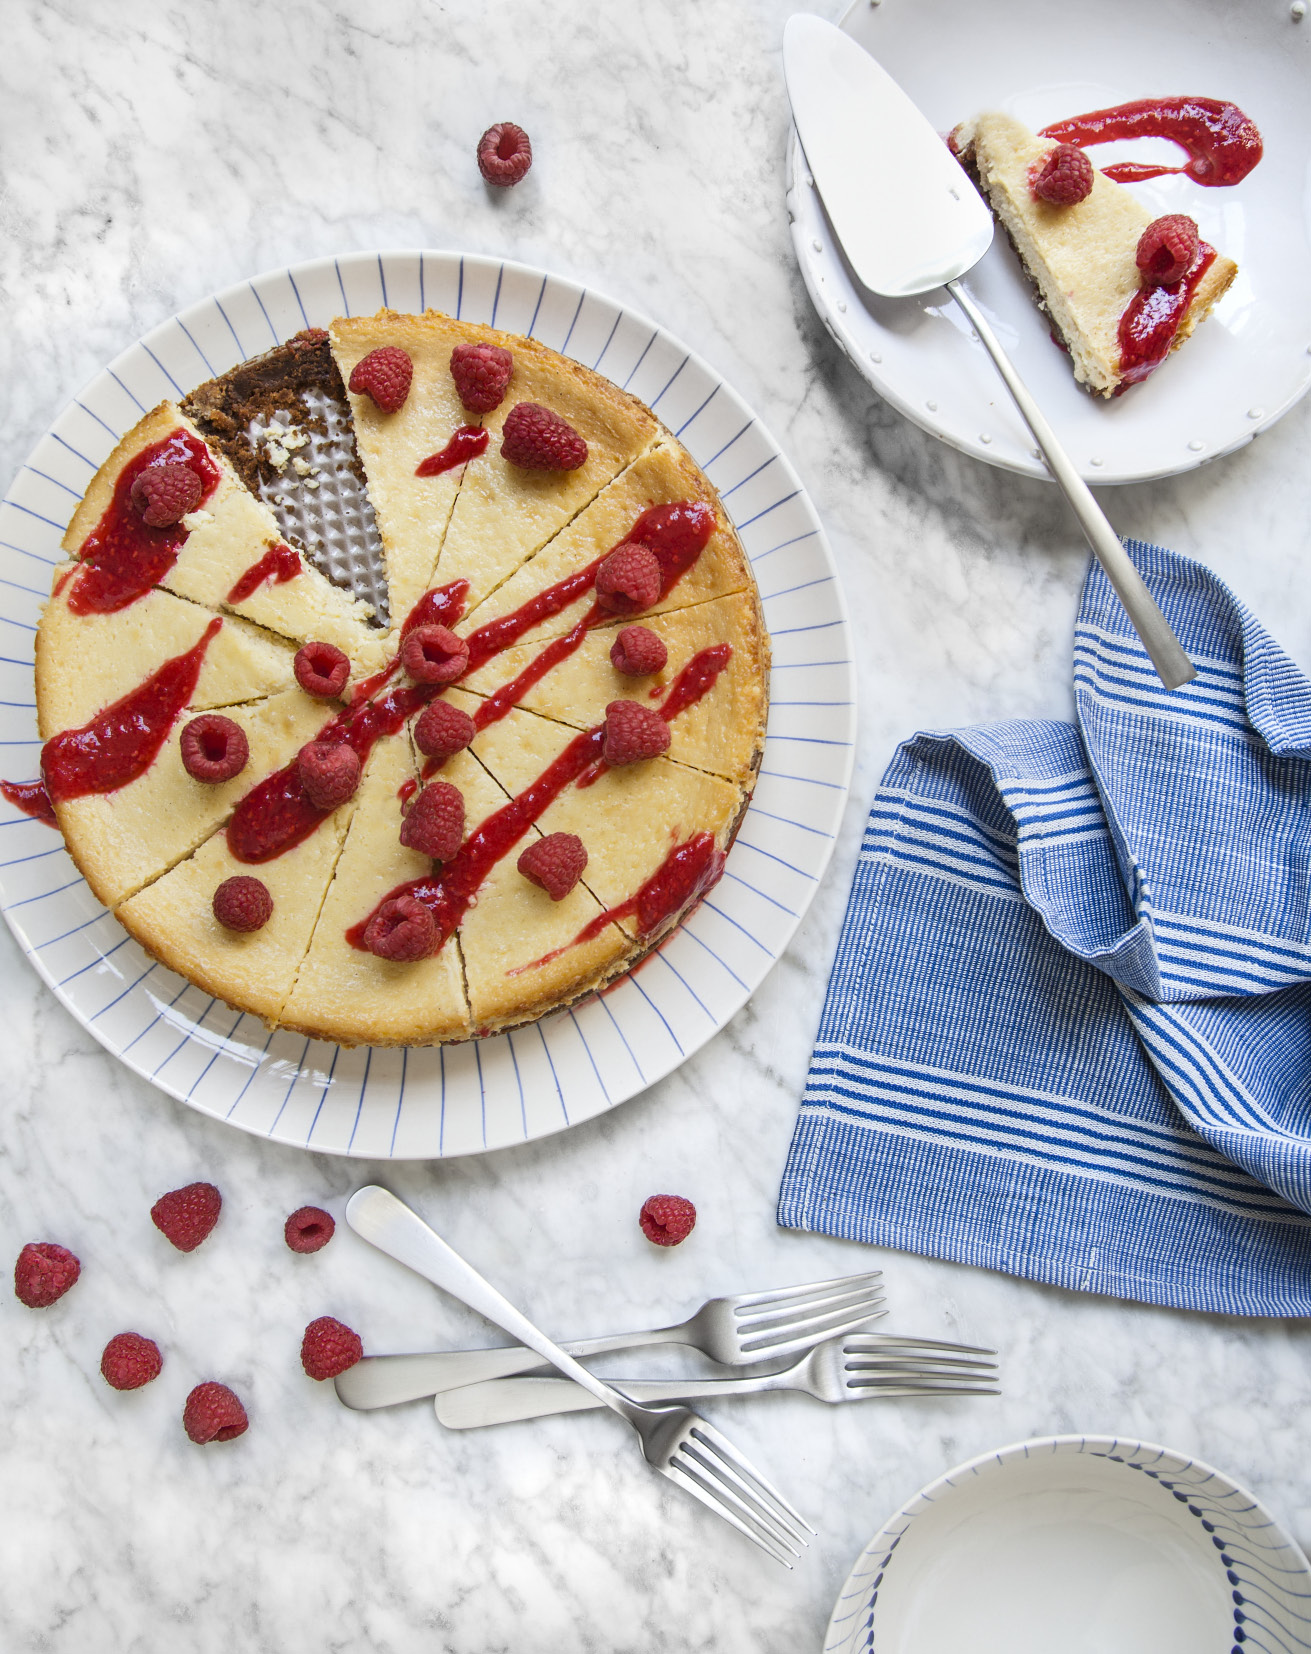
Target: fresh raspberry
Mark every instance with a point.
(1167, 248)
(187, 1215)
(535, 439)
(629, 579)
(309, 1229)
(443, 729)
(321, 669)
(130, 1361)
(481, 374)
(1065, 177)
(329, 772)
(385, 375)
(637, 651)
(214, 749)
(403, 930)
(633, 732)
(433, 654)
(434, 823)
(213, 1414)
(163, 494)
(555, 862)
(667, 1219)
(44, 1272)
(504, 154)
(243, 903)
(329, 1347)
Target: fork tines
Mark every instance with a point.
(793, 1318)
(712, 1470)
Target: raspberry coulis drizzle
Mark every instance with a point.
(467, 442)
(695, 680)
(31, 798)
(1151, 320)
(278, 565)
(1222, 143)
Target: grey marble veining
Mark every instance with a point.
(156, 153)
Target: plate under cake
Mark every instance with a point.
(149, 627)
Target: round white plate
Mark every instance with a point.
(1246, 365)
(1079, 1544)
(423, 1102)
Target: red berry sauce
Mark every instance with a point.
(1222, 143)
(31, 798)
(278, 565)
(467, 443)
(1152, 318)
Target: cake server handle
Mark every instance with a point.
(1167, 654)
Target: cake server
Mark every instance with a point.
(675, 1440)
(909, 220)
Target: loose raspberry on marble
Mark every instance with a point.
(243, 903)
(537, 439)
(481, 374)
(321, 669)
(214, 749)
(555, 863)
(309, 1229)
(504, 154)
(1065, 177)
(637, 652)
(633, 732)
(1167, 248)
(43, 1274)
(403, 930)
(129, 1361)
(384, 374)
(442, 730)
(433, 654)
(329, 1347)
(186, 1216)
(329, 772)
(434, 823)
(214, 1413)
(163, 494)
(667, 1219)
(628, 581)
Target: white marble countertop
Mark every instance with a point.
(154, 154)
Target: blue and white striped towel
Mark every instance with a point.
(1068, 1031)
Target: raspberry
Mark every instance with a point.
(187, 1215)
(243, 903)
(307, 338)
(629, 579)
(443, 729)
(433, 654)
(163, 494)
(633, 732)
(213, 1414)
(1065, 177)
(504, 154)
(535, 439)
(329, 1347)
(309, 1229)
(555, 862)
(321, 669)
(329, 772)
(44, 1272)
(214, 749)
(667, 1219)
(637, 651)
(481, 374)
(1167, 248)
(130, 1361)
(434, 823)
(385, 375)
(402, 929)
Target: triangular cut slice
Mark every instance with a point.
(1081, 258)
(346, 994)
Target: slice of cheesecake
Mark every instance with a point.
(1081, 257)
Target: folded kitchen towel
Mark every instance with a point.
(1068, 1030)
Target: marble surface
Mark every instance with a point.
(155, 153)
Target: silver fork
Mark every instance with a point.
(751, 1326)
(842, 1369)
(675, 1441)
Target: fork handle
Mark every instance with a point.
(506, 1400)
(378, 1217)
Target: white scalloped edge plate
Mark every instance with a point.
(422, 1103)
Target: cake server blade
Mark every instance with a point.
(909, 220)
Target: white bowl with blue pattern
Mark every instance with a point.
(1078, 1545)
